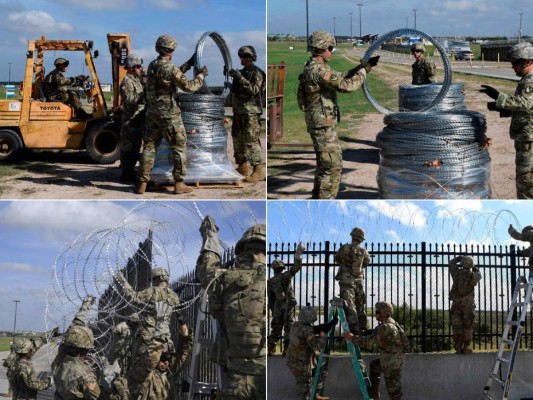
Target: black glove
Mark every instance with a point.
(190, 61)
(225, 70)
(373, 60)
(490, 91)
(235, 74)
(335, 320)
(366, 65)
(491, 106)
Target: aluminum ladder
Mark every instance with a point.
(502, 371)
(355, 353)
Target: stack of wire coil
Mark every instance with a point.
(437, 154)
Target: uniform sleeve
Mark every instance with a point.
(366, 259)
(185, 344)
(182, 82)
(523, 102)
(129, 95)
(294, 269)
(431, 69)
(271, 296)
(91, 389)
(476, 276)
(365, 340)
(328, 78)
(30, 379)
(62, 82)
(208, 268)
(339, 255)
(453, 266)
(252, 86)
(516, 234)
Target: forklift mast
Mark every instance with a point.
(119, 47)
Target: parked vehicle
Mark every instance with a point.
(464, 55)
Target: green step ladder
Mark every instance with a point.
(355, 353)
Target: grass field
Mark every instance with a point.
(5, 343)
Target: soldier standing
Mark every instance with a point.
(317, 96)
(133, 103)
(24, 382)
(8, 364)
(281, 300)
(353, 259)
(248, 89)
(163, 116)
(519, 108)
(392, 343)
(525, 236)
(238, 298)
(56, 85)
(423, 68)
(465, 278)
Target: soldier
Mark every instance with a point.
(133, 102)
(423, 68)
(519, 108)
(163, 116)
(122, 341)
(8, 364)
(525, 236)
(317, 96)
(392, 343)
(353, 259)
(24, 382)
(302, 352)
(237, 299)
(281, 300)
(465, 277)
(56, 85)
(248, 89)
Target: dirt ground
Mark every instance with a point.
(361, 156)
(73, 175)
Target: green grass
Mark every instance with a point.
(5, 343)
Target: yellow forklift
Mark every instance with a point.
(32, 122)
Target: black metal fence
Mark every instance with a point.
(415, 279)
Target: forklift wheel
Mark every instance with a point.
(103, 142)
(10, 145)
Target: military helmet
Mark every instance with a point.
(160, 273)
(321, 40)
(277, 264)
(165, 44)
(80, 337)
(418, 46)
(527, 229)
(23, 346)
(247, 51)
(254, 233)
(520, 51)
(358, 233)
(467, 262)
(132, 60)
(61, 61)
(307, 315)
(383, 307)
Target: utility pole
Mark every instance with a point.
(360, 25)
(406, 22)
(351, 34)
(16, 304)
(9, 75)
(520, 30)
(334, 34)
(415, 10)
(307, 18)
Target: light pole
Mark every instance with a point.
(520, 30)
(406, 22)
(415, 10)
(16, 304)
(307, 17)
(351, 34)
(360, 26)
(334, 35)
(9, 75)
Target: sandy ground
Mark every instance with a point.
(361, 156)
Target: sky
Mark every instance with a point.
(434, 17)
(38, 238)
(239, 22)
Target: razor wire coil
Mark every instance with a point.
(224, 50)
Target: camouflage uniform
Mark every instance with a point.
(24, 382)
(392, 344)
(423, 71)
(321, 116)
(465, 277)
(282, 303)
(8, 364)
(525, 236)
(163, 116)
(122, 346)
(132, 93)
(237, 298)
(353, 259)
(55, 89)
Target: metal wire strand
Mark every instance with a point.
(416, 97)
(224, 50)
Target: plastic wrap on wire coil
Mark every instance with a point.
(434, 156)
(416, 97)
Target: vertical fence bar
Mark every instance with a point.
(424, 297)
(326, 272)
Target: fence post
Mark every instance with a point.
(326, 281)
(513, 282)
(424, 297)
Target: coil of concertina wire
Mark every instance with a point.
(224, 50)
(416, 97)
(445, 61)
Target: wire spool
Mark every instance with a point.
(416, 97)
(224, 50)
(434, 156)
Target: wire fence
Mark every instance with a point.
(415, 279)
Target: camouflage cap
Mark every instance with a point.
(520, 51)
(132, 60)
(255, 233)
(321, 40)
(80, 337)
(418, 46)
(383, 307)
(307, 315)
(61, 61)
(358, 233)
(467, 262)
(23, 346)
(160, 273)
(165, 44)
(277, 264)
(247, 51)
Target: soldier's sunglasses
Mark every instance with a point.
(331, 48)
(137, 66)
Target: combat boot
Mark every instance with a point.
(257, 175)
(466, 348)
(244, 169)
(181, 188)
(458, 347)
(374, 390)
(271, 349)
(141, 188)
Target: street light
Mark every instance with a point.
(351, 34)
(360, 26)
(334, 35)
(16, 304)
(520, 30)
(415, 10)
(9, 75)
(406, 22)
(307, 18)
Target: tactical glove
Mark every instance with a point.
(235, 74)
(87, 302)
(202, 71)
(209, 231)
(50, 381)
(187, 65)
(299, 251)
(373, 60)
(491, 106)
(490, 91)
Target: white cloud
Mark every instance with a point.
(407, 213)
(22, 268)
(35, 22)
(394, 237)
(174, 4)
(467, 5)
(98, 4)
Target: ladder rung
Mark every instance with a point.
(513, 323)
(495, 378)
(508, 341)
(501, 359)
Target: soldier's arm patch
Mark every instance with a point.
(327, 76)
